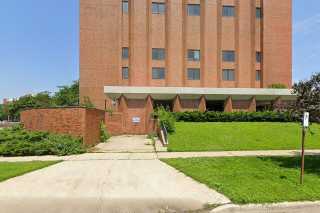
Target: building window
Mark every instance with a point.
(228, 11)
(158, 54)
(158, 73)
(228, 55)
(125, 52)
(258, 13)
(228, 75)
(258, 57)
(193, 74)
(125, 73)
(194, 55)
(125, 6)
(193, 9)
(258, 75)
(158, 8)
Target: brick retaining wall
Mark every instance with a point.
(80, 122)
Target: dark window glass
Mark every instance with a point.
(125, 52)
(258, 57)
(259, 13)
(258, 75)
(158, 8)
(193, 74)
(228, 56)
(158, 54)
(194, 55)
(125, 73)
(125, 6)
(228, 11)
(228, 75)
(158, 73)
(193, 9)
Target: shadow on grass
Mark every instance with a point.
(312, 163)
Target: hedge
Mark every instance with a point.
(266, 116)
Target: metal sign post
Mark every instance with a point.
(305, 125)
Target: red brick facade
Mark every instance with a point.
(78, 122)
(133, 117)
(105, 29)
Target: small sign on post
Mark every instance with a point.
(306, 120)
(305, 125)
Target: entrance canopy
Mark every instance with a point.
(169, 93)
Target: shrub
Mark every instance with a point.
(104, 135)
(16, 141)
(166, 118)
(266, 116)
(277, 86)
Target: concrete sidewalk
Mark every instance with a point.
(126, 143)
(236, 153)
(153, 156)
(98, 186)
(287, 207)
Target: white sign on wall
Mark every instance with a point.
(306, 119)
(136, 120)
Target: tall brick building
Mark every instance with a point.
(185, 54)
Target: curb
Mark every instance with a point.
(286, 207)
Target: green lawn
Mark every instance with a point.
(14, 169)
(240, 136)
(255, 180)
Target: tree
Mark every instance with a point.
(67, 95)
(2, 113)
(308, 97)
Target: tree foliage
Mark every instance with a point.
(42, 99)
(308, 97)
(2, 113)
(66, 96)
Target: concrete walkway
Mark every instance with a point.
(288, 207)
(98, 186)
(126, 143)
(236, 153)
(153, 155)
(125, 182)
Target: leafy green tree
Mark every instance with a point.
(16, 106)
(2, 113)
(67, 95)
(308, 97)
(43, 99)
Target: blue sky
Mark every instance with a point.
(39, 44)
